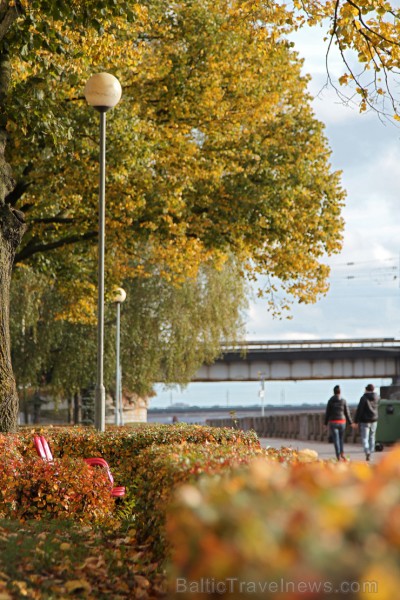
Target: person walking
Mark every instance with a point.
(337, 414)
(366, 418)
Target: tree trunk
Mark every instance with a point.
(12, 228)
(10, 236)
(70, 410)
(77, 408)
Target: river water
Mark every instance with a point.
(247, 393)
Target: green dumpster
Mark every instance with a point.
(388, 430)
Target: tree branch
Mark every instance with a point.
(18, 191)
(11, 14)
(62, 220)
(34, 248)
(367, 28)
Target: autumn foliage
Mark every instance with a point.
(122, 447)
(62, 489)
(222, 155)
(170, 467)
(34, 489)
(214, 157)
(69, 488)
(319, 524)
(216, 507)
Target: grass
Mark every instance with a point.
(56, 560)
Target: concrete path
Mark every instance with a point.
(324, 449)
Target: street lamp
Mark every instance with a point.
(102, 91)
(119, 297)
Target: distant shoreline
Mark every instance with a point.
(255, 408)
(200, 415)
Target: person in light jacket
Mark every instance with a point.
(366, 418)
(337, 414)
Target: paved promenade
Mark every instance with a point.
(324, 449)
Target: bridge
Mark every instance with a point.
(306, 360)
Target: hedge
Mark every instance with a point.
(121, 446)
(27, 481)
(35, 489)
(12, 464)
(160, 470)
(64, 488)
(267, 530)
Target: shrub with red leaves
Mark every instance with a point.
(67, 488)
(11, 466)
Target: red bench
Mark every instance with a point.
(43, 450)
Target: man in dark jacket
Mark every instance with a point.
(367, 418)
(336, 415)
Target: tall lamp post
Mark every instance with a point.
(119, 297)
(102, 91)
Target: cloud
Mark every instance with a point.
(363, 300)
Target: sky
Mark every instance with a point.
(364, 296)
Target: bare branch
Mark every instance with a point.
(18, 191)
(368, 28)
(61, 220)
(34, 248)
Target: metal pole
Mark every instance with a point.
(262, 394)
(121, 407)
(100, 394)
(117, 374)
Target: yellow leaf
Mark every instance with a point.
(22, 587)
(65, 546)
(77, 585)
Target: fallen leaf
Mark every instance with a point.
(21, 586)
(65, 546)
(77, 585)
(142, 581)
(93, 562)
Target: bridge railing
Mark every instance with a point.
(292, 426)
(324, 343)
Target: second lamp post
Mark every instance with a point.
(102, 91)
(119, 297)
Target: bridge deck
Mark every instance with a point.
(305, 360)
